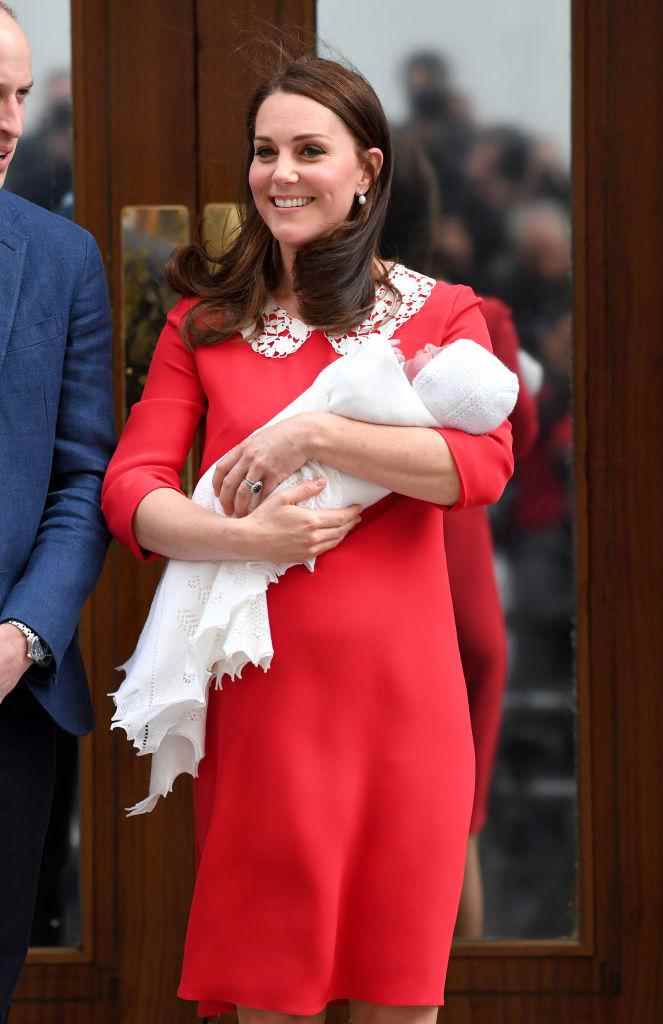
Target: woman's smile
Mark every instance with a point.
(291, 202)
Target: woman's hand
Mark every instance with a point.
(280, 530)
(270, 456)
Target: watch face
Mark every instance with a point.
(37, 652)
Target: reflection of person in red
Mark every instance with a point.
(409, 235)
(479, 618)
(542, 513)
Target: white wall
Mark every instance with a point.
(513, 57)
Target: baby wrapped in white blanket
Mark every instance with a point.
(210, 619)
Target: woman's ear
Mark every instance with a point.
(373, 160)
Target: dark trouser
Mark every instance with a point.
(27, 773)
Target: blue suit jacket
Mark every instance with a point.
(56, 437)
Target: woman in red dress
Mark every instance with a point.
(333, 803)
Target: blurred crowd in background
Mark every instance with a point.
(42, 170)
(489, 205)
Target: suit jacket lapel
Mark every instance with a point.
(13, 246)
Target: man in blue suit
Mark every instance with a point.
(56, 436)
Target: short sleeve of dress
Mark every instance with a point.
(484, 462)
(158, 434)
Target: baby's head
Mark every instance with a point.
(419, 360)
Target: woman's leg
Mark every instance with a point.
(246, 1015)
(370, 1013)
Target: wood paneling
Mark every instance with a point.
(76, 1012)
(628, 483)
(599, 816)
(153, 143)
(227, 75)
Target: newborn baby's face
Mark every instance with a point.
(419, 360)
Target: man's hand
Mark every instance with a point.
(14, 661)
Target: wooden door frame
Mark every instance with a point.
(136, 883)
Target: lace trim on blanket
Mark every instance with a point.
(284, 334)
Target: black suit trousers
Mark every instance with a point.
(27, 775)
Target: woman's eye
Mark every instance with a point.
(264, 152)
(312, 151)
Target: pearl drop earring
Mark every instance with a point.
(361, 199)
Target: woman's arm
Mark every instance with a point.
(168, 522)
(142, 498)
(157, 435)
(444, 466)
(277, 531)
(414, 461)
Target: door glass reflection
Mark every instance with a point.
(149, 236)
(42, 171)
(479, 100)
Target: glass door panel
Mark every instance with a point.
(479, 101)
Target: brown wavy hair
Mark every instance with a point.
(335, 276)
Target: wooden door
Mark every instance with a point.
(158, 90)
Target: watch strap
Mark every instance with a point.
(31, 638)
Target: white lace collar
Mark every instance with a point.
(284, 334)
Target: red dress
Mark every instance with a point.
(476, 601)
(333, 803)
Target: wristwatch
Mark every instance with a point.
(37, 651)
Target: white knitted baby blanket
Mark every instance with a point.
(210, 619)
